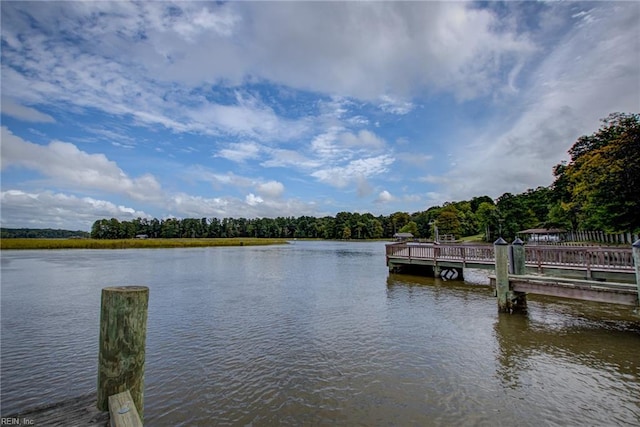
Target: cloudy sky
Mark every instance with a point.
(264, 109)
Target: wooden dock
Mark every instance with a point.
(78, 411)
(566, 272)
(588, 262)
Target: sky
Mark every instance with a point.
(290, 108)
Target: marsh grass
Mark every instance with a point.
(131, 243)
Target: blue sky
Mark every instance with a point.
(265, 109)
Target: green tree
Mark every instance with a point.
(448, 221)
(374, 229)
(486, 219)
(601, 183)
(399, 220)
(411, 227)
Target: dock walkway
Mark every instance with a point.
(78, 411)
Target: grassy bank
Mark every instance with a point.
(131, 243)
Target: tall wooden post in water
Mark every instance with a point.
(123, 331)
(501, 250)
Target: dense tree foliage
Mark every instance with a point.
(598, 189)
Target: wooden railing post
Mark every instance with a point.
(636, 262)
(123, 331)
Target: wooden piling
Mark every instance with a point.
(519, 266)
(123, 330)
(501, 250)
(636, 262)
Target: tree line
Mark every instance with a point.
(598, 189)
(40, 233)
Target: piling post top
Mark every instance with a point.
(636, 244)
(500, 241)
(518, 241)
(126, 289)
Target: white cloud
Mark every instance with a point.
(253, 200)
(341, 176)
(58, 210)
(363, 139)
(68, 166)
(240, 151)
(251, 206)
(384, 197)
(270, 189)
(194, 23)
(396, 48)
(289, 158)
(21, 112)
(395, 106)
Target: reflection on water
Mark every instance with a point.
(316, 333)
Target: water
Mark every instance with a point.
(315, 333)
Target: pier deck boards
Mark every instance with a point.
(78, 411)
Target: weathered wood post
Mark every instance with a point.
(501, 250)
(518, 300)
(636, 262)
(123, 331)
(519, 266)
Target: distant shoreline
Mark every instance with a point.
(24, 243)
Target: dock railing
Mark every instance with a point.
(464, 253)
(588, 258)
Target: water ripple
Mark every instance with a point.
(316, 333)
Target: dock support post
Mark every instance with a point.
(123, 331)
(636, 262)
(519, 266)
(518, 300)
(501, 250)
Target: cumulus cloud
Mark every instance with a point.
(181, 48)
(48, 209)
(253, 200)
(251, 206)
(384, 197)
(69, 166)
(270, 189)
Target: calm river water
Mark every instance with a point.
(315, 333)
